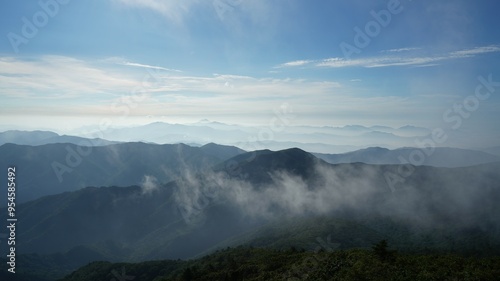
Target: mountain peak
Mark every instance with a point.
(375, 149)
(256, 166)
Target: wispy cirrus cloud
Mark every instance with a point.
(150, 66)
(399, 50)
(475, 51)
(294, 63)
(388, 60)
(66, 86)
(377, 61)
(101, 81)
(58, 76)
(122, 61)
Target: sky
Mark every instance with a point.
(65, 64)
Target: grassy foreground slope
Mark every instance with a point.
(264, 264)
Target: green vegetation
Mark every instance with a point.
(382, 253)
(245, 263)
(426, 219)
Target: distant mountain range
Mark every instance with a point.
(317, 139)
(492, 150)
(265, 199)
(326, 139)
(321, 140)
(80, 200)
(55, 168)
(437, 157)
(46, 137)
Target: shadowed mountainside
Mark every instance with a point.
(271, 199)
(437, 157)
(54, 168)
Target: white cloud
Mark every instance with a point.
(149, 184)
(58, 76)
(122, 61)
(400, 50)
(51, 85)
(294, 63)
(150, 66)
(92, 87)
(475, 51)
(397, 60)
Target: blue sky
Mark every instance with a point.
(236, 61)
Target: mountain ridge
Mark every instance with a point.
(35, 138)
(53, 168)
(437, 157)
(270, 193)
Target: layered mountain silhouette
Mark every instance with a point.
(267, 199)
(437, 157)
(54, 168)
(46, 137)
(325, 139)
